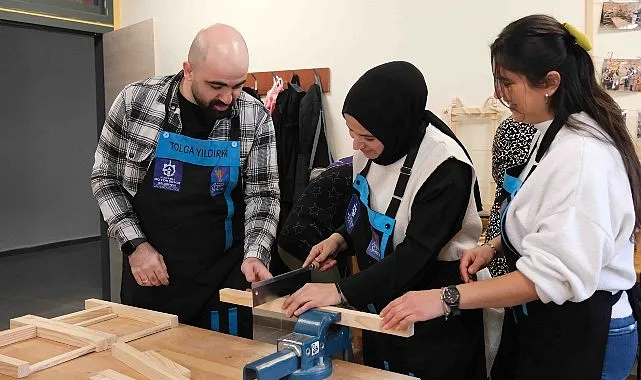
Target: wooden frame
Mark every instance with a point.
(307, 77)
(150, 363)
(491, 112)
(351, 318)
(97, 311)
(29, 327)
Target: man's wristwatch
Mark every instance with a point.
(451, 298)
(130, 246)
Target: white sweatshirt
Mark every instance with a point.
(573, 219)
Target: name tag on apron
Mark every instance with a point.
(175, 150)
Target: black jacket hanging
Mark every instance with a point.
(312, 142)
(286, 119)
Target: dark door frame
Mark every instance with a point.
(105, 271)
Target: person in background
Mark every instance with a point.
(412, 210)
(186, 177)
(568, 221)
(511, 147)
(317, 212)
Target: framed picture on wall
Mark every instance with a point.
(621, 74)
(621, 15)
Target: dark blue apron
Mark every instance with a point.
(550, 341)
(439, 349)
(191, 208)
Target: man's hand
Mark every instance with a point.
(148, 266)
(254, 270)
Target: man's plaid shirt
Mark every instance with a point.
(127, 146)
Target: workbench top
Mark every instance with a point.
(208, 354)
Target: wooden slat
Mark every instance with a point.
(138, 314)
(266, 78)
(13, 367)
(110, 374)
(93, 321)
(143, 333)
(84, 315)
(12, 336)
(140, 362)
(352, 318)
(161, 360)
(65, 333)
(236, 297)
(48, 363)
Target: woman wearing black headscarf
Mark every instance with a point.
(413, 211)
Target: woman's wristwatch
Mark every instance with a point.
(450, 299)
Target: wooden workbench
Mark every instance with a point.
(209, 355)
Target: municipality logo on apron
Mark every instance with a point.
(219, 180)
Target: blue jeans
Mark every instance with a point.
(621, 350)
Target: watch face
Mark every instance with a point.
(451, 296)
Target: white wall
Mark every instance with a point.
(448, 40)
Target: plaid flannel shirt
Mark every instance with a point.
(128, 142)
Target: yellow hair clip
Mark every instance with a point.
(580, 37)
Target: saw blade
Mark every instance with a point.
(279, 286)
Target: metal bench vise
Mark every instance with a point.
(305, 353)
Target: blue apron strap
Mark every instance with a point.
(386, 365)
(233, 321)
(215, 321)
(371, 308)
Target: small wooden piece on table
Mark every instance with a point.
(149, 363)
(110, 374)
(351, 318)
(29, 327)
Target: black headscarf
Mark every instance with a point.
(389, 101)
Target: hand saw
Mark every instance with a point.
(282, 285)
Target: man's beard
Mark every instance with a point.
(208, 108)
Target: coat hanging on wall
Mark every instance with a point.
(313, 150)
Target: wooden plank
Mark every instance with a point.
(143, 333)
(139, 314)
(84, 315)
(236, 297)
(13, 367)
(157, 357)
(140, 362)
(97, 320)
(12, 336)
(110, 374)
(352, 318)
(61, 358)
(65, 333)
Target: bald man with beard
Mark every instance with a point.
(185, 175)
